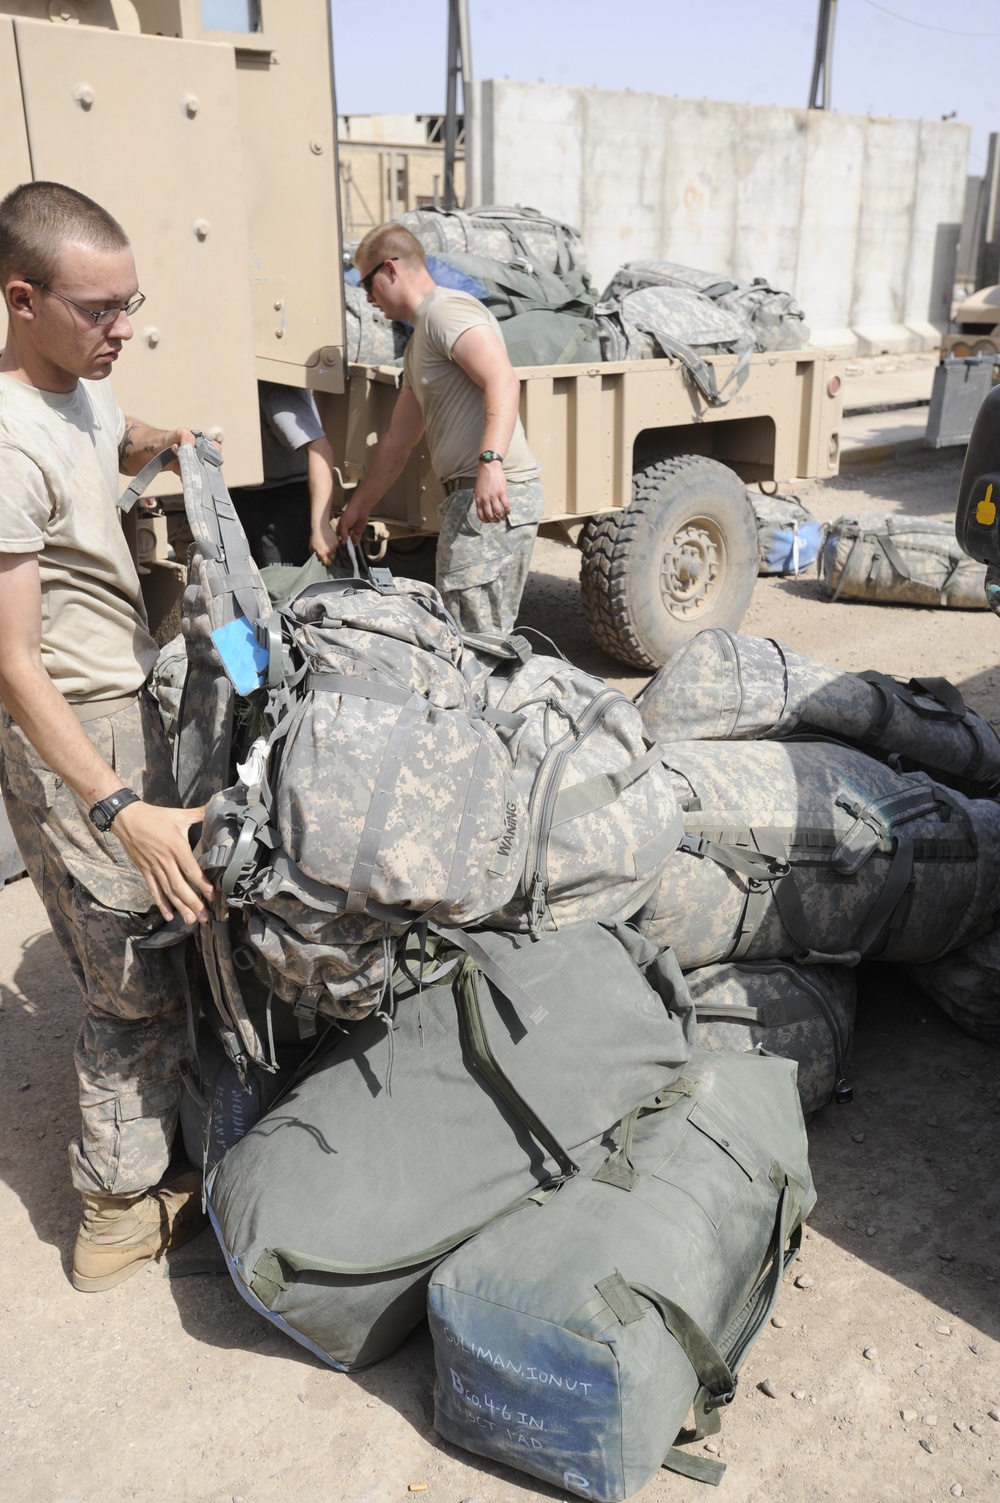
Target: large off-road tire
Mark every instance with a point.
(682, 557)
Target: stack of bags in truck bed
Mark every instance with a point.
(532, 935)
(529, 270)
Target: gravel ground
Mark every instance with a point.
(875, 1382)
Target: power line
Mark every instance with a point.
(926, 25)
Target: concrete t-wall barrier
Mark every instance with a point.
(857, 216)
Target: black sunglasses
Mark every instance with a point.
(366, 282)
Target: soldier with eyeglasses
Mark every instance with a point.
(86, 771)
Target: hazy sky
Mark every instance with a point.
(390, 54)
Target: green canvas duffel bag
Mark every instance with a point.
(805, 1013)
(572, 1339)
(396, 1146)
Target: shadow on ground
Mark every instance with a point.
(927, 1108)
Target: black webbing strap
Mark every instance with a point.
(892, 553)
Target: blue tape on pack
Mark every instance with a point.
(243, 658)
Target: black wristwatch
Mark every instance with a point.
(488, 456)
(104, 811)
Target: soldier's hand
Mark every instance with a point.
(324, 542)
(156, 842)
(352, 522)
(492, 504)
(184, 436)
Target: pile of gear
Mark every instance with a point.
(881, 558)
(494, 958)
(529, 271)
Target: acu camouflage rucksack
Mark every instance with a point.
(353, 785)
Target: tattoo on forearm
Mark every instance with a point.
(127, 444)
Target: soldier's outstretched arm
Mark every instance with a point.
(386, 467)
(155, 839)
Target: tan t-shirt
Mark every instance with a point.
(58, 498)
(451, 403)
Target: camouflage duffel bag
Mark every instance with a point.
(788, 536)
(965, 984)
(503, 1058)
(775, 318)
(726, 686)
(504, 232)
(572, 1340)
(805, 1013)
(816, 852)
(899, 561)
(656, 323)
(602, 817)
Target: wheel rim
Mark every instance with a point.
(691, 566)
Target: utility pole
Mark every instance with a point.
(459, 66)
(823, 60)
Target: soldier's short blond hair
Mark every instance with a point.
(390, 242)
(36, 221)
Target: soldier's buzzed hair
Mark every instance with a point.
(390, 242)
(37, 219)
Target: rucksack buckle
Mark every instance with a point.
(720, 1400)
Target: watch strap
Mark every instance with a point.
(102, 813)
(488, 456)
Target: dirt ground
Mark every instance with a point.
(173, 1390)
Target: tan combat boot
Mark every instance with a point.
(120, 1233)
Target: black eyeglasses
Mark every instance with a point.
(366, 282)
(103, 315)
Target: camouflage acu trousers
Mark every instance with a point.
(133, 1034)
(482, 566)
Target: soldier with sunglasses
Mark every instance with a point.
(86, 772)
(461, 391)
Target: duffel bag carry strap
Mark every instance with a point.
(278, 1267)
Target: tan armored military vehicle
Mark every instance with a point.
(978, 320)
(217, 150)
